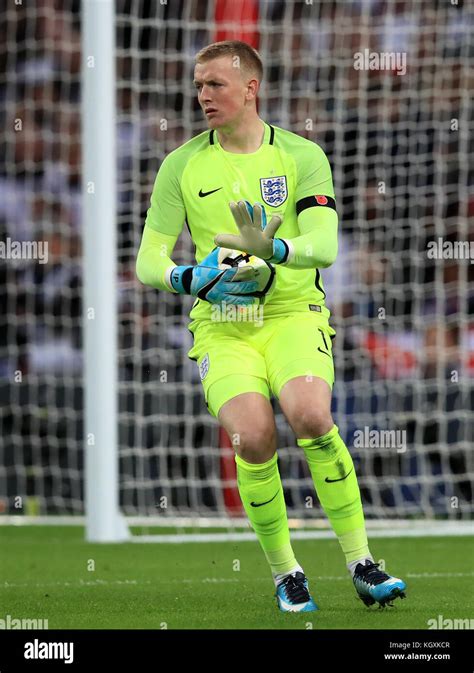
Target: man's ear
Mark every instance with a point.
(253, 86)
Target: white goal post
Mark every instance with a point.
(104, 523)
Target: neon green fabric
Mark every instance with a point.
(197, 181)
(240, 357)
(317, 245)
(262, 496)
(154, 258)
(335, 480)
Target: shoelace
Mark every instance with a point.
(295, 588)
(371, 574)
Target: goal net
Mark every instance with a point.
(383, 87)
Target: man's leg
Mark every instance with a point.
(234, 377)
(306, 403)
(249, 421)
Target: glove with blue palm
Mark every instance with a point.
(207, 281)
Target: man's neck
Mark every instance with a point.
(244, 138)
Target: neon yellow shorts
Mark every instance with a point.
(242, 357)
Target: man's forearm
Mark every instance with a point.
(316, 247)
(153, 259)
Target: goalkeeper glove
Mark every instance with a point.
(256, 236)
(207, 281)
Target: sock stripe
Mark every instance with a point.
(319, 442)
(257, 467)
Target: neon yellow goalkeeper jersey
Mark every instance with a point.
(197, 181)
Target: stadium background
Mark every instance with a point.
(402, 179)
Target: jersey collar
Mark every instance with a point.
(268, 136)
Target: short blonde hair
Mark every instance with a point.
(248, 56)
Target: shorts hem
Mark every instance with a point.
(295, 370)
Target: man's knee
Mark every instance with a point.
(255, 444)
(312, 423)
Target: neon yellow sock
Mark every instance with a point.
(262, 496)
(336, 485)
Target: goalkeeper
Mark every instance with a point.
(244, 159)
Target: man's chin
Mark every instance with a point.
(214, 123)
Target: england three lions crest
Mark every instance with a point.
(274, 190)
(204, 367)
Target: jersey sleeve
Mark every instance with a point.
(154, 258)
(316, 247)
(313, 172)
(167, 213)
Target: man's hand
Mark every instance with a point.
(255, 238)
(210, 283)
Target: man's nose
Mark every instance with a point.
(206, 94)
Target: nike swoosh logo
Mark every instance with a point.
(331, 481)
(202, 194)
(321, 351)
(259, 504)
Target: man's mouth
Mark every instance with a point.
(210, 110)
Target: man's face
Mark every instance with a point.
(222, 91)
